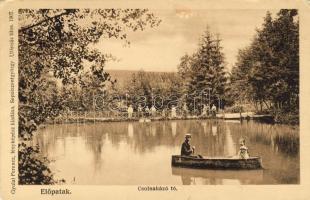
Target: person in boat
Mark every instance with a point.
(186, 149)
(243, 150)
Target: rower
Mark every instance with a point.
(186, 149)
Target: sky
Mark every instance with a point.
(160, 48)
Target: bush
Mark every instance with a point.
(234, 109)
(282, 117)
(33, 168)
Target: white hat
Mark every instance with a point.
(188, 135)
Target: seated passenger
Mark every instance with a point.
(243, 150)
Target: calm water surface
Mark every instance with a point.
(133, 153)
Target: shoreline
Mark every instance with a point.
(269, 119)
(75, 117)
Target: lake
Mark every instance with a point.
(133, 153)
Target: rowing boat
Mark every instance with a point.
(216, 162)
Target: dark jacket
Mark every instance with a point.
(186, 149)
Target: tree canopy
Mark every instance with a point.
(267, 71)
(54, 45)
(204, 72)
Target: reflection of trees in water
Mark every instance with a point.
(230, 145)
(172, 133)
(174, 128)
(115, 132)
(286, 174)
(148, 136)
(208, 136)
(94, 142)
(278, 137)
(278, 145)
(211, 137)
(49, 135)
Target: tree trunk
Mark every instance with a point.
(266, 105)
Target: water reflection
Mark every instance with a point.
(204, 125)
(214, 177)
(230, 146)
(153, 130)
(130, 130)
(214, 130)
(174, 128)
(111, 152)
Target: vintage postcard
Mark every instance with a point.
(155, 100)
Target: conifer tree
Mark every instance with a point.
(267, 71)
(207, 71)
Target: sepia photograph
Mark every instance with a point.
(155, 97)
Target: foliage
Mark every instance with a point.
(156, 88)
(204, 70)
(267, 71)
(54, 50)
(33, 168)
(284, 117)
(235, 109)
(45, 103)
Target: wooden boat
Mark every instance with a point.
(216, 162)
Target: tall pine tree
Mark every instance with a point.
(206, 74)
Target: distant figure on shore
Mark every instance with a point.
(173, 112)
(213, 110)
(147, 111)
(140, 113)
(186, 149)
(205, 110)
(243, 150)
(153, 110)
(208, 109)
(130, 111)
(164, 113)
(185, 110)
